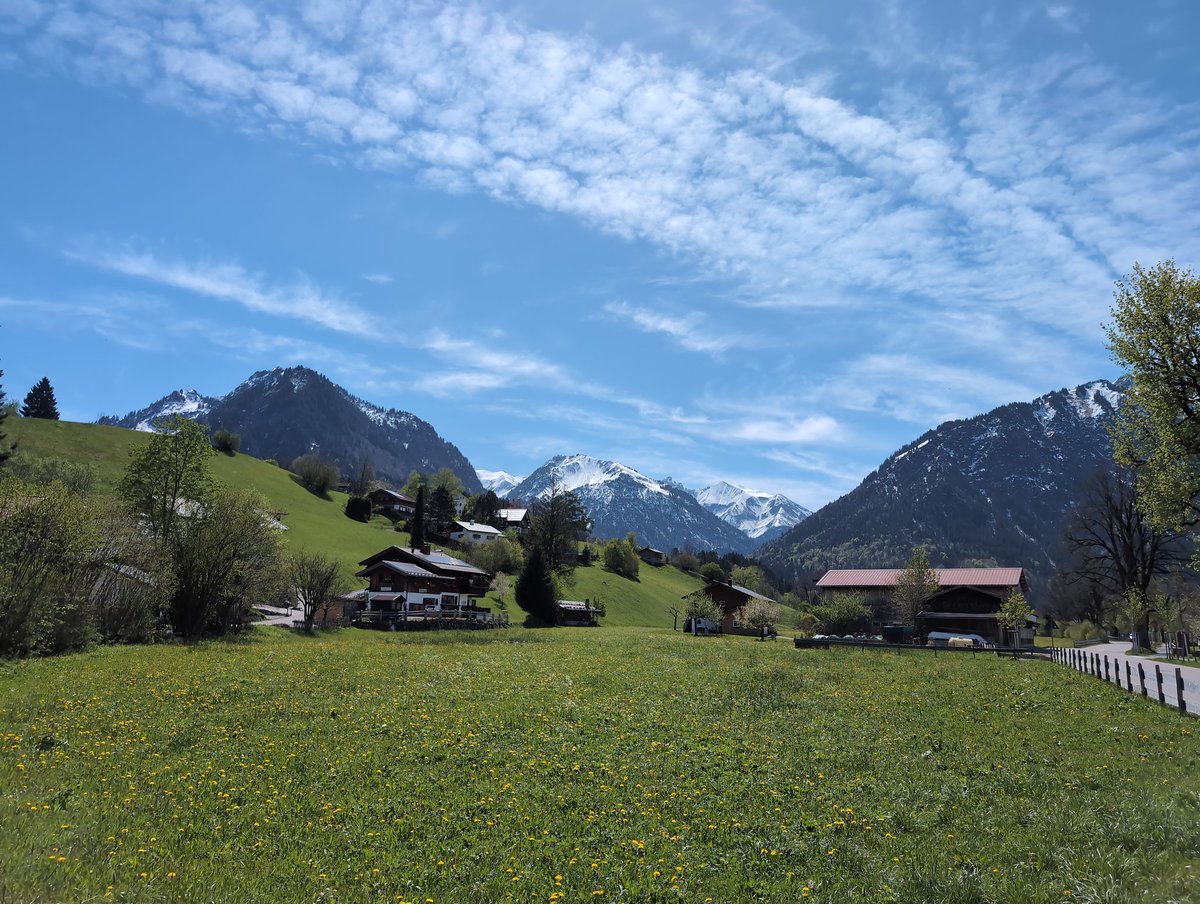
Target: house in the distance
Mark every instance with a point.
(469, 532)
(516, 518)
(966, 602)
(578, 613)
(392, 503)
(652, 556)
(731, 598)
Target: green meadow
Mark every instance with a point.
(610, 764)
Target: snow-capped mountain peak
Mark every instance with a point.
(499, 482)
(761, 516)
(619, 499)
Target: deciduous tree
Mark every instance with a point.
(1155, 336)
(1111, 543)
(168, 473)
(557, 522)
(914, 585)
(1013, 613)
(317, 581)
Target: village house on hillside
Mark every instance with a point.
(967, 600)
(419, 583)
(652, 556)
(516, 518)
(392, 503)
(468, 532)
(731, 598)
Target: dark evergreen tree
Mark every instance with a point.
(536, 592)
(39, 402)
(441, 508)
(416, 527)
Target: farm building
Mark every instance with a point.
(966, 602)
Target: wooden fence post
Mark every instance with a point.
(1179, 691)
(1142, 678)
(1128, 677)
(1107, 680)
(1162, 698)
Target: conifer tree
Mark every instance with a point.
(536, 592)
(39, 402)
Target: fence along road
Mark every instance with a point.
(1119, 661)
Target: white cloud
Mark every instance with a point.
(230, 282)
(1037, 192)
(689, 331)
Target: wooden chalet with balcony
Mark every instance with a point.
(421, 584)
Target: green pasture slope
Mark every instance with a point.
(313, 523)
(584, 765)
(320, 524)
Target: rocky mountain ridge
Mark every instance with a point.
(988, 490)
(287, 412)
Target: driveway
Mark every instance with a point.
(1118, 655)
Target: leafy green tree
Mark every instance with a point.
(557, 522)
(39, 401)
(225, 441)
(502, 555)
(316, 581)
(1013, 613)
(699, 605)
(712, 572)
(621, 558)
(48, 543)
(914, 585)
(536, 592)
(483, 507)
(844, 613)
(752, 577)
(1155, 336)
(168, 474)
(226, 558)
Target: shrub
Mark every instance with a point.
(685, 561)
(620, 558)
(712, 572)
(227, 442)
(358, 508)
(317, 474)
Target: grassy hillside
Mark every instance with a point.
(313, 523)
(646, 601)
(621, 764)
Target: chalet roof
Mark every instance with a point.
(868, 578)
(392, 494)
(651, 550)
(745, 591)
(436, 561)
(513, 515)
(405, 568)
(475, 528)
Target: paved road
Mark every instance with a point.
(277, 615)
(1118, 656)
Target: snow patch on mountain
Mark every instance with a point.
(187, 402)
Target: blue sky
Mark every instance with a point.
(766, 243)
